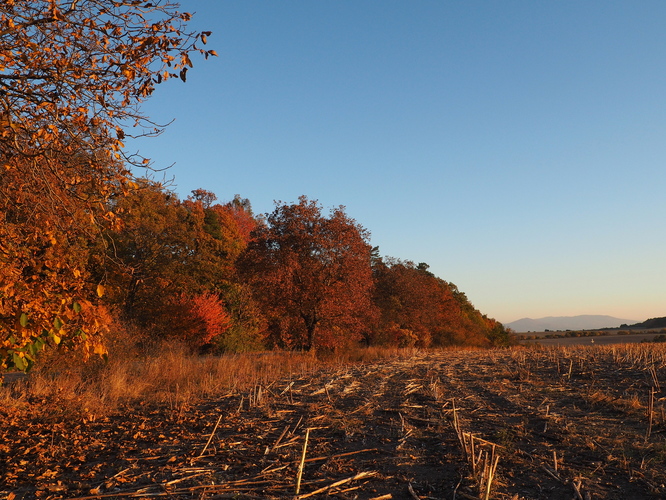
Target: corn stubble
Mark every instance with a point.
(570, 422)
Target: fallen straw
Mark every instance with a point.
(360, 475)
(576, 486)
(650, 414)
(302, 464)
(211, 436)
(412, 493)
(278, 441)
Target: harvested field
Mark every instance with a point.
(601, 338)
(564, 423)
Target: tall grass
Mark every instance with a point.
(172, 374)
(171, 371)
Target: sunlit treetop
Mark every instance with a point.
(75, 71)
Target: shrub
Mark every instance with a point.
(194, 320)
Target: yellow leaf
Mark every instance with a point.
(100, 290)
(56, 338)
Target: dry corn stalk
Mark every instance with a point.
(302, 464)
(650, 413)
(480, 455)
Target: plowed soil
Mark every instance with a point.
(567, 424)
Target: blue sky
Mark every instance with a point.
(517, 147)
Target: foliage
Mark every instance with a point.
(145, 250)
(248, 329)
(186, 250)
(73, 72)
(46, 296)
(312, 275)
(72, 75)
(649, 323)
(193, 320)
(419, 309)
(415, 307)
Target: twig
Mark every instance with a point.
(555, 459)
(491, 474)
(176, 481)
(339, 455)
(293, 431)
(551, 473)
(280, 438)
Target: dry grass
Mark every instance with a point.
(174, 375)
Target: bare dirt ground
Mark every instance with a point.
(568, 423)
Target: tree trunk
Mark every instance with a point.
(311, 321)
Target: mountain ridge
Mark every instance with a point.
(580, 322)
(651, 323)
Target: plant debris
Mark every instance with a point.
(560, 423)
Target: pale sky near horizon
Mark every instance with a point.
(518, 147)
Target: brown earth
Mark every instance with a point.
(567, 423)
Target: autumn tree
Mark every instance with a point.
(72, 77)
(415, 308)
(418, 308)
(479, 324)
(170, 258)
(155, 238)
(312, 275)
(231, 225)
(194, 320)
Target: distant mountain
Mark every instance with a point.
(583, 322)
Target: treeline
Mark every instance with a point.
(218, 277)
(89, 253)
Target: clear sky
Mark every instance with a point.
(518, 147)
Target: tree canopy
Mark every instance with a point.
(72, 77)
(312, 273)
